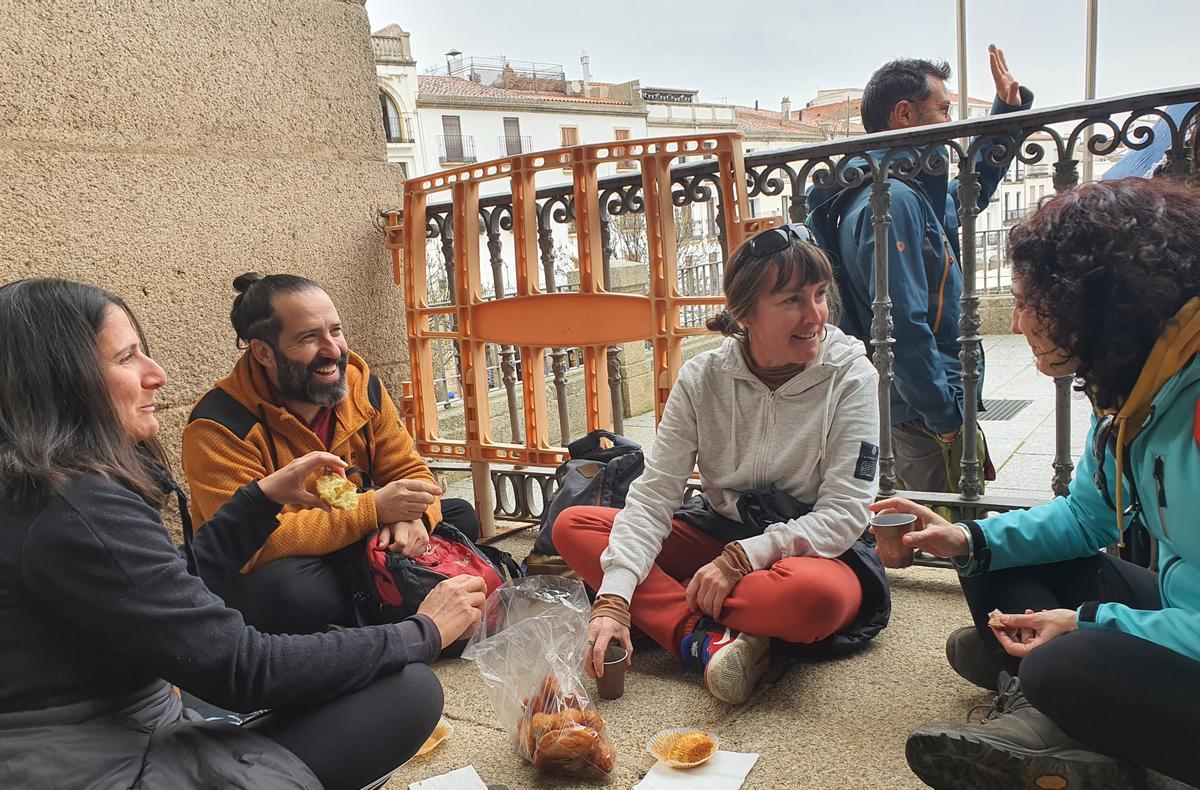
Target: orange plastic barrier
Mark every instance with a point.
(533, 320)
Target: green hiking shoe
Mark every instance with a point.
(1017, 747)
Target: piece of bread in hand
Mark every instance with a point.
(336, 491)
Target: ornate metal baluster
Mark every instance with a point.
(969, 354)
(558, 356)
(614, 351)
(1066, 176)
(881, 333)
(498, 219)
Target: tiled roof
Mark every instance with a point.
(438, 85)
(754, 121)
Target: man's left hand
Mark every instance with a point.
(708, 589)
(1021, 634)
(1007, 88)
(404, 537)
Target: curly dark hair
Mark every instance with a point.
(1106, 266)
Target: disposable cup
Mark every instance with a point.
(611, 685)
(889, 528)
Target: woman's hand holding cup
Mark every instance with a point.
(601, 631)
(932, 534)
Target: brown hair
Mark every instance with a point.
(747, 274)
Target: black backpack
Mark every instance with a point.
(593, 476)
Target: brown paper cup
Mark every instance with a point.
(611, 685)
(889, 528)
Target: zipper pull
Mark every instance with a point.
(1158, 481)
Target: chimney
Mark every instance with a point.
(785, 109)
(756, 104)
(585, 61)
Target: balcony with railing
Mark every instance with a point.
(399, 128)
(1014, 215)
(1065, 136)
(511, 145)
(456, 149)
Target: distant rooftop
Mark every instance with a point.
(434, 85)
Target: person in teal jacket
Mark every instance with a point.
(1096, 660)
(925, 279)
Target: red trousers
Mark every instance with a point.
(798, 599)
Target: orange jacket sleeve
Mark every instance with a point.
(217, 463)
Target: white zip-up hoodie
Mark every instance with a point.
(809, 438)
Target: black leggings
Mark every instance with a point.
(305, 595)
(1123, 695)
(352, 741)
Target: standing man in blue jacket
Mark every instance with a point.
(924, 274)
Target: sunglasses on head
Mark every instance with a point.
(773, 240)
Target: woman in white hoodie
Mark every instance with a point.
(785, 406)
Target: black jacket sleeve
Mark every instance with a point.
(234, 534)
(102, 558)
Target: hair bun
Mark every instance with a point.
(242, 282)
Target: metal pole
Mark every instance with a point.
(1089, 81)
(961, 16)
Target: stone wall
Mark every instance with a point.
(161, 148)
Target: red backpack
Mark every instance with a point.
(396, 585)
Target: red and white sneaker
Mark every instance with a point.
(733, 663)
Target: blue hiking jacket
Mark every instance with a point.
(1164, 473)
(924, 279)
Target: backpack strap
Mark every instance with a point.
(220, 407)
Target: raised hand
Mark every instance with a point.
(1007, 88)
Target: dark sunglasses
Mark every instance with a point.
(773, 240)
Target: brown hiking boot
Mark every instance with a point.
(1017, 747)
(970, 657)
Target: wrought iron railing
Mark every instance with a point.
(513, 144)
(455, 149)
(1065, 135)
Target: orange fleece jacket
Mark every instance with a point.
(217, 462)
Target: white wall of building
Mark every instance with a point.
(484, 130)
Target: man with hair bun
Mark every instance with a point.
(297, 388)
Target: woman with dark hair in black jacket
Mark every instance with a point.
(99, 615)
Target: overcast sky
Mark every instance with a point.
(779, 48)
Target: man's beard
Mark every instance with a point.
(296, 380)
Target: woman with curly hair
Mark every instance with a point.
(1096, 660)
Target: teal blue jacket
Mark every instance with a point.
(1164, 475)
